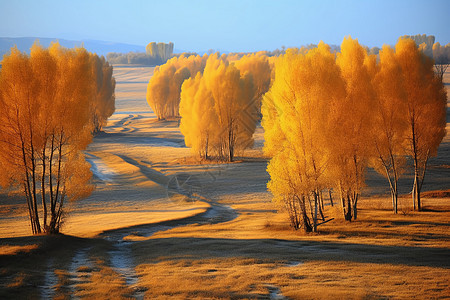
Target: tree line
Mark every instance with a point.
(51, 103)
(327, 117)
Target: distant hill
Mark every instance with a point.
(99, 47)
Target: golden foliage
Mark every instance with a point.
(163, 90)
(103, 105)
(426, 100)
(295, 111)
(327, 115)
(47, 102)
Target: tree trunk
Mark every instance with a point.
(348, 212)
(316, 204)
(331, 198)
(44, 204)
(306, 226)
(355, 206)
(417, 196)
(395, 196)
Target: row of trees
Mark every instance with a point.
(51, 101)
(328, 116)
(219, 107)
(132, 58)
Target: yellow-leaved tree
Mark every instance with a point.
(296, 114)
(46, 102)
(389, 128)
(426, 101)
(214, 110)
(352, 122)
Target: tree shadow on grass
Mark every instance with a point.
(286, 250)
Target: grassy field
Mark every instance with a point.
(217, 235)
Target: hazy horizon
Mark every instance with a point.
(233, 26)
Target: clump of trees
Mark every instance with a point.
(164, 88)
(328, 117)
(217, 97)
(160, 51)
(50, 103)
(103, 103)
(218, 110)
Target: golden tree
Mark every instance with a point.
(426, 100)
(199, 119)
(390, 122)
(46, 121)
(295, 118)
(352, 124)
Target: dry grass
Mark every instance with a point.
(15, 249)
(437, 194)
(254, 279)
(380, 256)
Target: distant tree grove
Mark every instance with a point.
(51, 102)
(328, 116)
(160, 50)
(155, 54)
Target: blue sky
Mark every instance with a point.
(226, 25)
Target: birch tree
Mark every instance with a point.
(426, 109)
(390, 122)
(353, 123)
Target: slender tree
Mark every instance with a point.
(426, 109)
(352, 124)
(390, 122)
(441, 56)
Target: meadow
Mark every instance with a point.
(162, 224)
